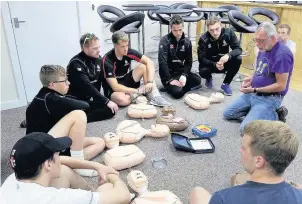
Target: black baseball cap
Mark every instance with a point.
(34, 149)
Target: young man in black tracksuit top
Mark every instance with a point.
(175, 61)
(214, 55)
(85, 75)
(52, 112)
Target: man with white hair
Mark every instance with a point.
(264, 91)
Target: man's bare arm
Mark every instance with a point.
(118, 194)
(280, 85)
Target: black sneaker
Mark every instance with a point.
(23, 124)
(162, 89)
(282, 113)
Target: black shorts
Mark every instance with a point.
(127, 80)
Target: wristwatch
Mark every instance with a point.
(255, 90)
(150, 82)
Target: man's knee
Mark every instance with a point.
(100, 142)
(176, 92)
(78, 115)
(121, 99)
(142, 67)
(237, 60)
(228, 114)
(139, 71)
(199, 195)
(196, 80)
(204, 72)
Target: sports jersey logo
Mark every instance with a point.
(171, 46)
(126, 63)
(182, 48)
(79, 69)
(209, 46)
(98, 68)
(109, 74)
(224, 43)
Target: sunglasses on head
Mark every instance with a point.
(89, 36)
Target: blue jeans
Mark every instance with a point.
(253, 107)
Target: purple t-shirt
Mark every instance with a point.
(278, 60)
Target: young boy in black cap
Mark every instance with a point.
(40, 178)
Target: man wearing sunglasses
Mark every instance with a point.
(264, 91)
(85, 76)
(214, 54)
(123, 83)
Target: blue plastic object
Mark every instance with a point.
(204, 130)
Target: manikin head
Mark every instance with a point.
(138, 181)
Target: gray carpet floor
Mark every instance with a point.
(184, 170)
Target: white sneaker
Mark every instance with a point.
(159, 101)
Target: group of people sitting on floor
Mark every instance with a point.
(57, 117)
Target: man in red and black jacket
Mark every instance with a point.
(85, 76)
(175, 61)
(122, 84)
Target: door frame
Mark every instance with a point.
(13, 53)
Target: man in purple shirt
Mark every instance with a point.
(264, 91)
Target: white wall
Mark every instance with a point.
(8, 82)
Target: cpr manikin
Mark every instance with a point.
(121, 157)
(168, 117)
(216, 97)
(138, 182)
(141, 109)
(199, 102)
(130, 131)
